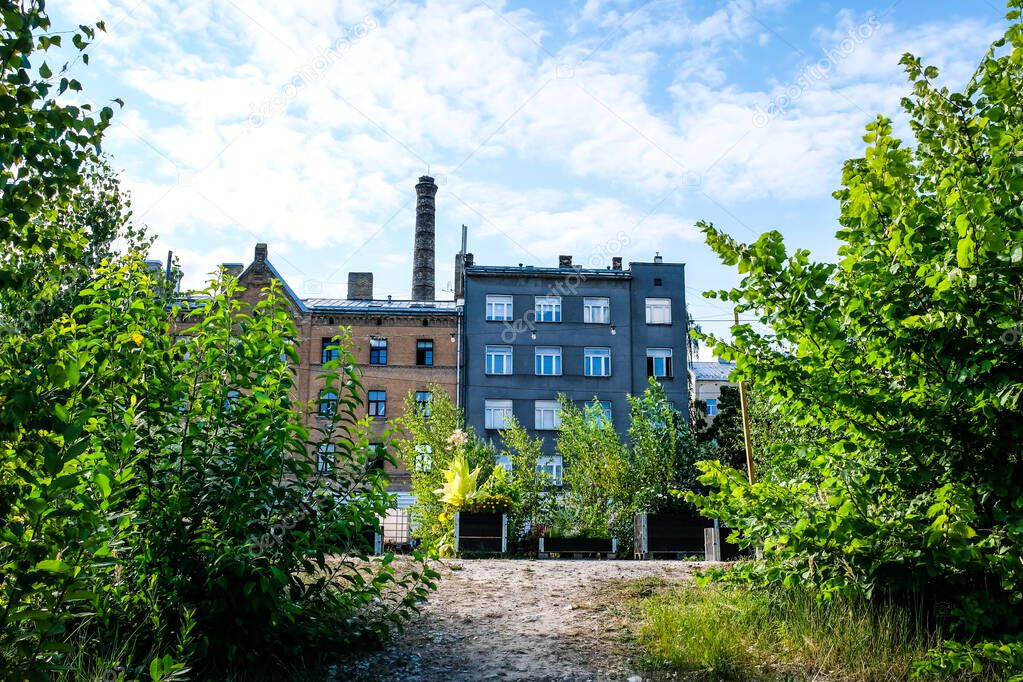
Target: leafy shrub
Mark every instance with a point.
(906, 355)
(180, 495)
(428, 442)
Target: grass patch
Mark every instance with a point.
(724, 632)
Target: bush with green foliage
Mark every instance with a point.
(428, 441)
(907, 352)
(159, 490)
(598, 488)
(528, 483)
(161, 512)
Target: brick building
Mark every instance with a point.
(402, 346)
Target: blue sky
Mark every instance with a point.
(593, 127)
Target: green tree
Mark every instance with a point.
(596, 467)
(427, 442)
(662, 450)
(907, 352)
(727, 429)
(531, 485)
(47, 147)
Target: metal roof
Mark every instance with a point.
(368, 307)
(711, 371)
(545, 272)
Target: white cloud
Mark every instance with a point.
(633, 103)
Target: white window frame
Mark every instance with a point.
(596, 355)
(596, 310)
(497, 413)
(658, 311)
(661, 353)
(543, 304)
(504, 461)
(605, 406)
(424, 405)
(545, 352)
(712, 407)
(325, 458)
(554, 466)
(497, 351)
(502, 303)
(546, 415)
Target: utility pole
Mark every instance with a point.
(745, 419)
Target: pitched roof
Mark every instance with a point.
(711, 371)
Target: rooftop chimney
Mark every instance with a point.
(459, 276)
(460, 266)
(423, 252)
(260, 256)
(564, 261)
(616, 262)
(657, 258)
(360, 286)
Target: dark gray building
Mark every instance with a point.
(532, 333)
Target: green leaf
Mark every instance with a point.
(54, 566)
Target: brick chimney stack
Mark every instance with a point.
(423, 254)
(360, 286)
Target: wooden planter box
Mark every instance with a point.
(608, 546)
(677, 533)
(481, 533)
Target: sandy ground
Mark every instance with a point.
(496, 619)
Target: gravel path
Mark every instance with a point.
(494, 619)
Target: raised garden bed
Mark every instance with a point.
(578, 545)
(670, 533)
(481, 533)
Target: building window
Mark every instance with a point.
(605, 409)
(548, 361)
(658, 311)
(325, 458)
(553, 468)
(548, 415)
(328, 404)
(328, 350)
(548, 309)
(423, 400)
(597, 362)
(378, 351)
(499, 360)
(504, 461)
(499, 308)
(658, 363)
(712, 407)
(497, 413)
(424, 352)
(378, 404)
(658, 282)
(596, 310)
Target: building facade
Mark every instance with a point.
(705, 381)
(533, 333)
(401, 346)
